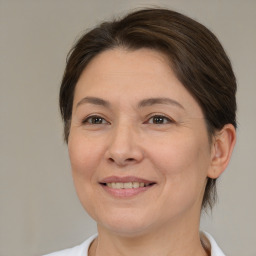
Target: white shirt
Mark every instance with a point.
(82, 249)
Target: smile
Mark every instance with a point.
(126, 185)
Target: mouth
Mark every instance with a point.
(127, 185)
(124, 187)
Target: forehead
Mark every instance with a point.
(124, 64)
(131, 75)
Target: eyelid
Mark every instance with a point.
(148, 118)
(169, 119)
(85, 120)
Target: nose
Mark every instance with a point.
(124, 147)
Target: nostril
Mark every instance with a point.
(121, 162)
(111, 160)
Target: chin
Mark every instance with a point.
(125, 224)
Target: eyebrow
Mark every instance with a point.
(164, 101)
(143, 103)
(93, 100)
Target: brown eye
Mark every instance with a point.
(95, 120)
(158, 119)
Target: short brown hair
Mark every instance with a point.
(195, 54)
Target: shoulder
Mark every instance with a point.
(209, 242)
(80, 250)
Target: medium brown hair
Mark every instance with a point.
(195, 54)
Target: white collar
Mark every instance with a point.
(210, 244)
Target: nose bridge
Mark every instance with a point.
(121, 132)
(124, 146)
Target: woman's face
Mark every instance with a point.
(138, 144)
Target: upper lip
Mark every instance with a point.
(125, 179)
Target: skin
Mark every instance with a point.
(126, 140)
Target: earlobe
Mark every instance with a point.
(222, 148)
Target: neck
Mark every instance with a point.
(174, 241)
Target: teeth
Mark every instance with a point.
(136, 184)
(117, 185)
(128, 185)
(120, 185)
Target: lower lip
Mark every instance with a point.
(126, 193)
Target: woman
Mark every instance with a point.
(149, 110)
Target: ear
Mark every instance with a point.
(222, 147)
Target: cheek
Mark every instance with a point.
(183, 164)
(84, 159)
(84, 156)
(180, 153)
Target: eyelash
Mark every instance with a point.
(161, 118)
(165, 119)
(87, 120)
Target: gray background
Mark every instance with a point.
(39, 209)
